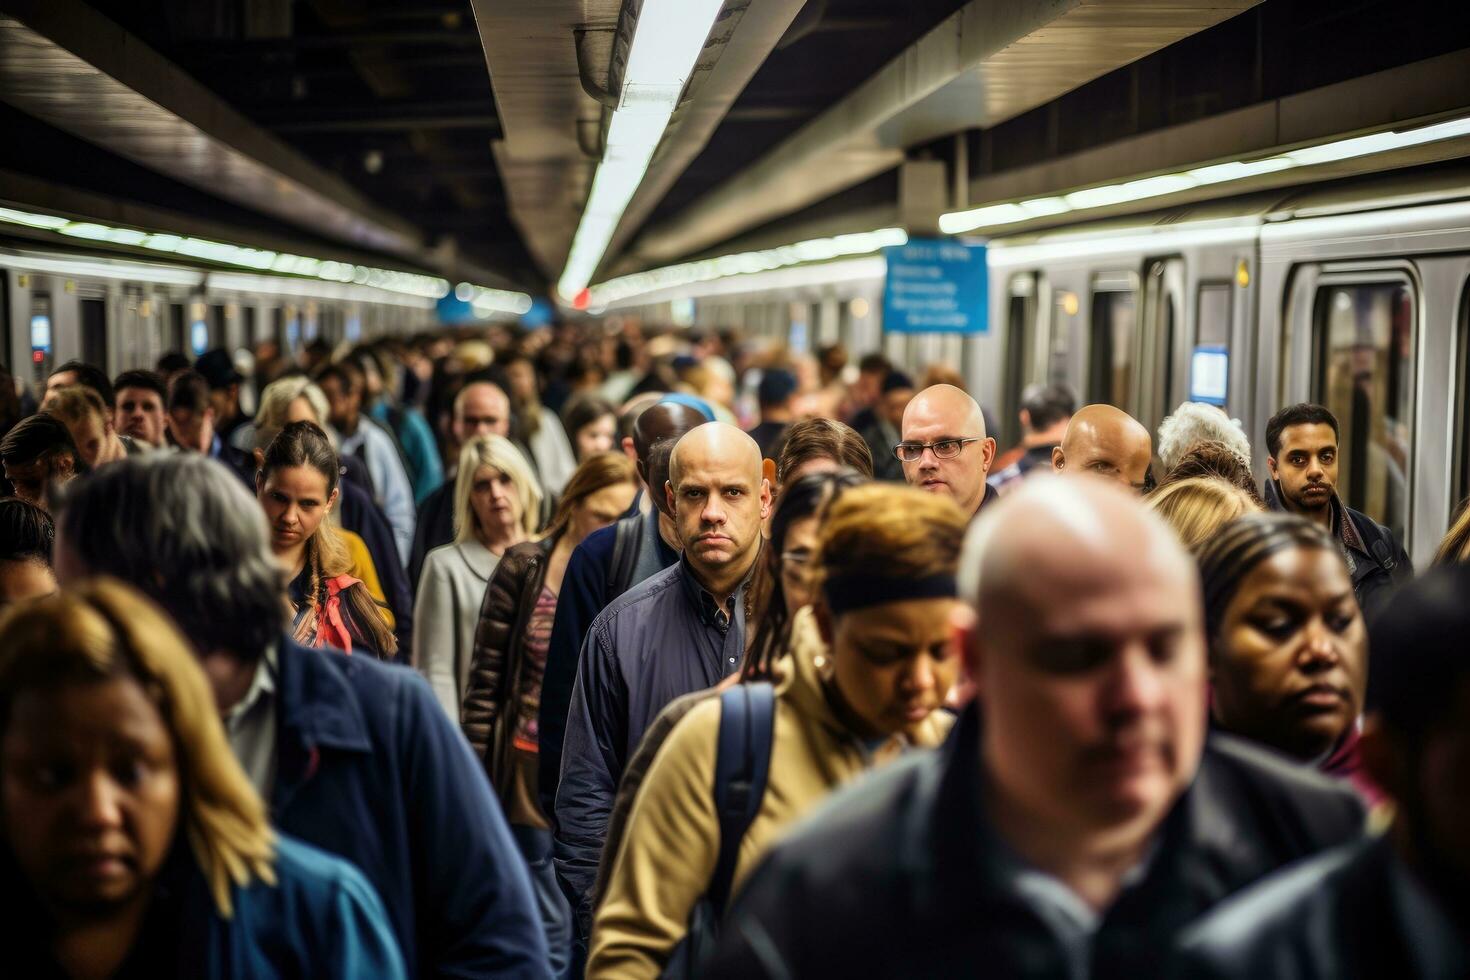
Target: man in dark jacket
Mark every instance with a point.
(1398, 906)
(604, 566)
(353, 755)
(1301, 442)
(680, 631)
(190, 421)
(1085, 823)
(884, 430)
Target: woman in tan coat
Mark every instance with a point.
(870, 664)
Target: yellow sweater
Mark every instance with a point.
(672, 842)
(366, 572)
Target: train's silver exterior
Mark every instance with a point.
(1351, 294)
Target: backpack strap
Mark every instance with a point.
(624, 557)
(742, 763)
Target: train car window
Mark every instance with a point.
(1110, 362)
(1213, 323)
(94, 332)
(1365, 375)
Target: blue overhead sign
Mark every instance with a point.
(936, 285)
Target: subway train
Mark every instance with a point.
(121, 312)
(1353, 294)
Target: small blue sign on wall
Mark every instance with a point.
(936, 285)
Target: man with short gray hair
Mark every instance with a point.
(353, 756)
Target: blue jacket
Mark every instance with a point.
(425, 471)
(320, 919)
(662, 639)
(370, 768)
(584, 594)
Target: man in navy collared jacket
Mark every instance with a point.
(354, 756)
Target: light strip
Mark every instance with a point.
(264, 260)
(667, 40)
(101, 269)
(311, 289)
(744, 263)
(861, 269)
(997, 215)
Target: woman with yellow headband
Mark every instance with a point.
(870, 665)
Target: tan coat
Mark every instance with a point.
(672, 842)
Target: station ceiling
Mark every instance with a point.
(460, 136)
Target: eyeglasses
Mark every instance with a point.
(910, 452)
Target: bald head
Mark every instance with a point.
(1088, 659)
(719, 499)
(1106, 442)
(665, 420)
(480, 409)
(935, 419)
(1037, 541)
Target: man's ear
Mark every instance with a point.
(1271, 467)
(631, 451)
(766, 497)
(965, 647)
(1058, 459)
(669, 497)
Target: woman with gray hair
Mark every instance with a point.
(497, 505)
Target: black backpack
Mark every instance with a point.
(742, 763)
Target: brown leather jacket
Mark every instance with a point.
(495, 682)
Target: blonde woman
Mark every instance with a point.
(134, 844)
(496, 506)
(1196, 508)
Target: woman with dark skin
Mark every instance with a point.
(132, 845)
(1288, 648)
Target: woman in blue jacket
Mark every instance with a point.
(131, 842)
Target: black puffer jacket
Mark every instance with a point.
(493, 690)
(896, 875)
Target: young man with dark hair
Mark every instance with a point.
(345, 388)
(1045, 412)
(1302, 455)
(139, 409)
(1396, 905)
(80, 373)
(218, 369)
(38, 454)
(775, 394)
(191, 420)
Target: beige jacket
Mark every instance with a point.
(672, 843)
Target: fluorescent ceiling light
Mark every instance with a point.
(744, 263)
(996, 215)
(667, 40)
(394, 281)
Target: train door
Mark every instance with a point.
(1022, 343)
(1160, 341)
(1363, 347)
(94, 331)
(1111, 341)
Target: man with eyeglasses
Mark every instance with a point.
(944, 447)
(1106, 442)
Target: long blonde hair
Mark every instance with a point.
(104, 629)
(496, 452)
